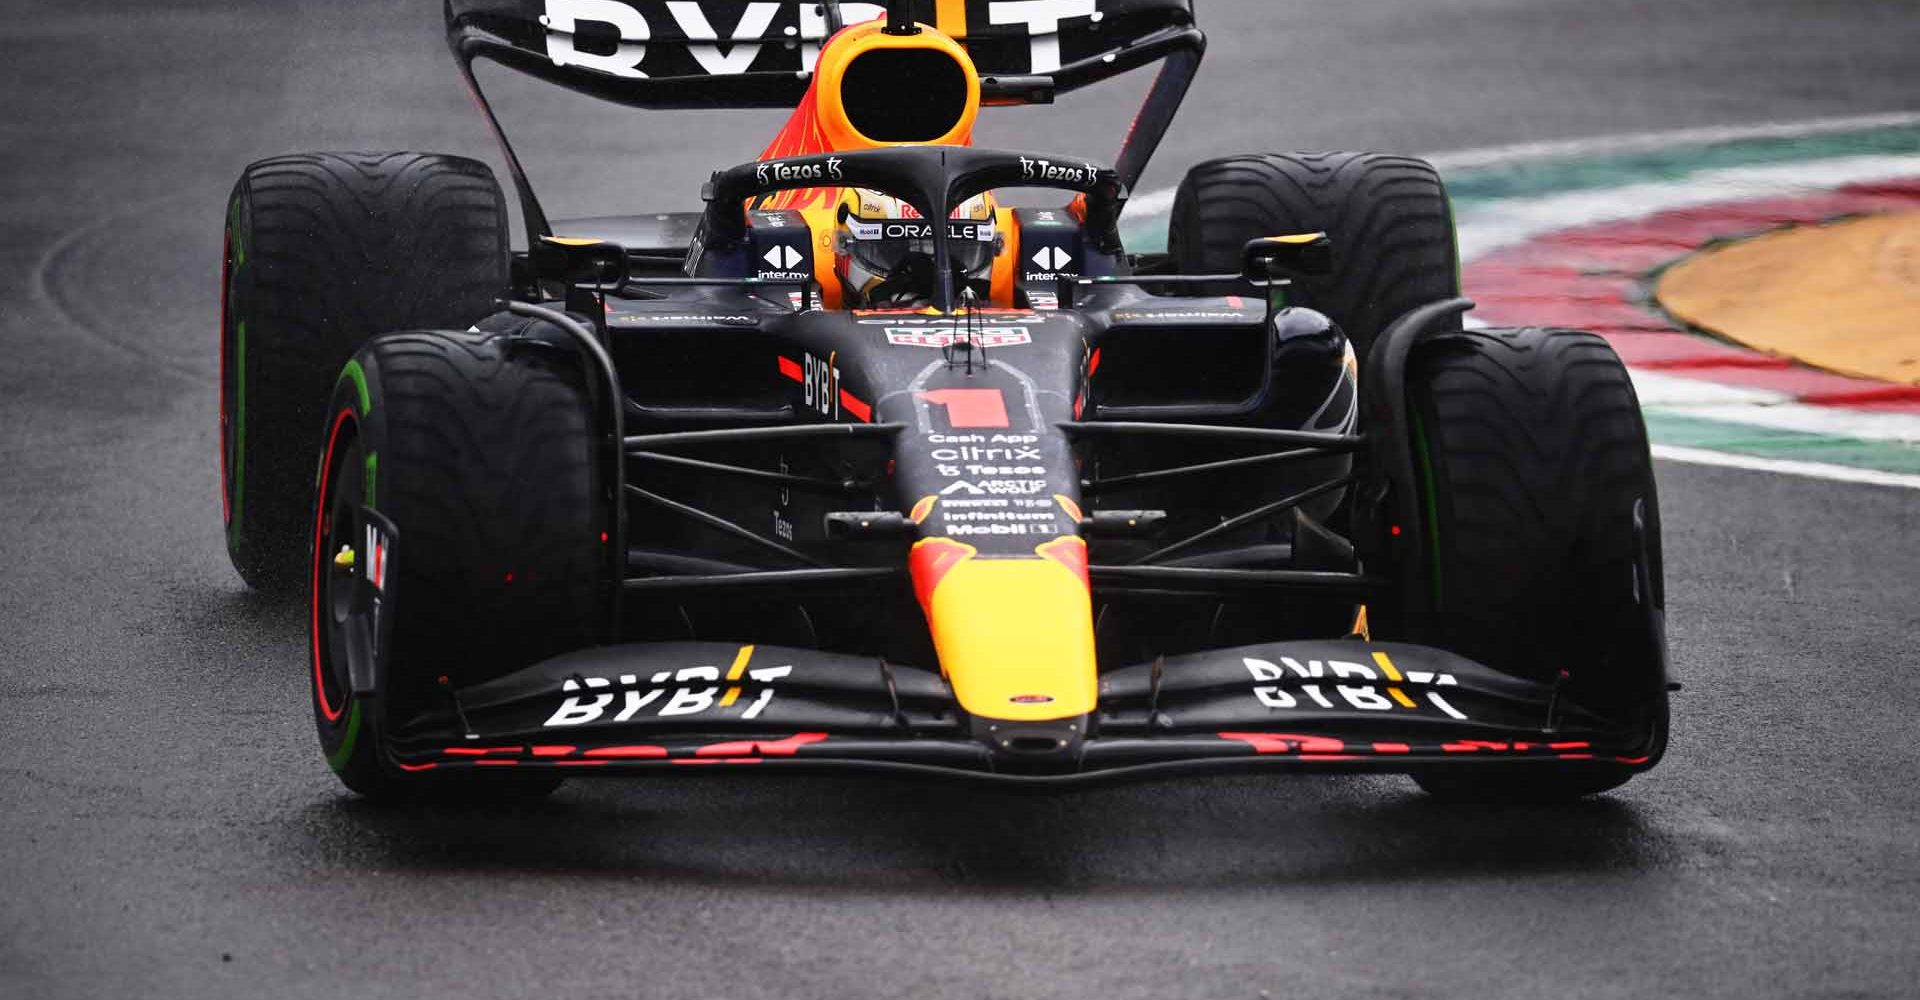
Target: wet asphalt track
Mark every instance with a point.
(167, 829)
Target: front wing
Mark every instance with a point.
(1343, 705)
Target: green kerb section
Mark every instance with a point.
(1147, 234)
(1561, 176)
(373, 469)
(1666, 426)
(359, 377)
(339, 758)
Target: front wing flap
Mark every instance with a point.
(1316, 705)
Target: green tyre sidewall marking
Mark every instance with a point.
(237, 466)
(352, 747)
(343, 754)
(1429, 497)
(356, 374)
(359, 376)
(239, 248)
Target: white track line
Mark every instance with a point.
(1813, 470)
(1765, 408)
(1807, 418)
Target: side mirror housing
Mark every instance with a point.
(1302, 255)
(576, 261)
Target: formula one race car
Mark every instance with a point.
(860, 467)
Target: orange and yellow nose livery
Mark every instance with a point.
(1014, 635)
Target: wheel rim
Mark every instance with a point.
(342, 482)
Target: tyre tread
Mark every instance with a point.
(1388, 215)
(490, 472)
(340, 247)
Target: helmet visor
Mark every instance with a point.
(881, 245)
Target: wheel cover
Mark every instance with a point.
(331, 585)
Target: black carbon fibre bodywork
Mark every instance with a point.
(1343, 705)
(784, 481)
(777, 462)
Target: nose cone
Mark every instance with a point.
(1014, 633)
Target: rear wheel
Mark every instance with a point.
(479, 449)
(324, 250)
(1392, 232)
(1543, 534)
(1388, 216)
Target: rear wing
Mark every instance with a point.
(758, 53)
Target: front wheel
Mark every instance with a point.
(1542, 536)
(479, 451)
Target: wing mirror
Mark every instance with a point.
(1272, 258)
(577, 261)
(585, 268)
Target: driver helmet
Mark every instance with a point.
(883, 250)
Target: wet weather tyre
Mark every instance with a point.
(324, 250)
(1388, 216)
(1544, 534)
(480, 450)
